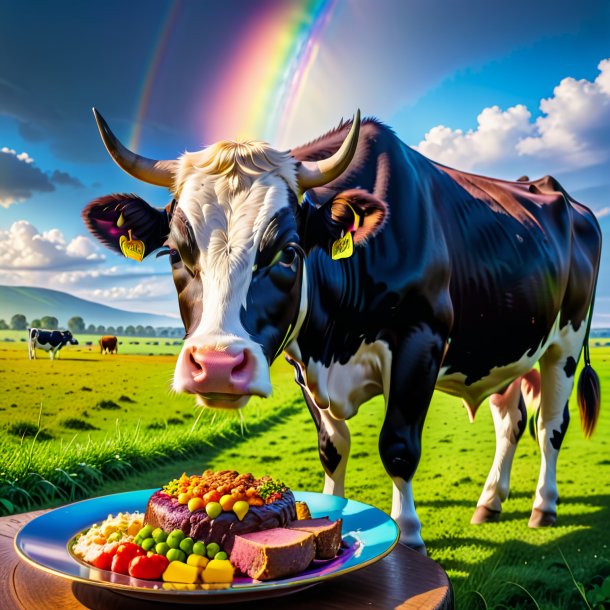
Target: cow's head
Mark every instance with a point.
(68, 338)
(234, 233)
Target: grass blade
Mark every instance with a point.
(578, 585)
(516, 584)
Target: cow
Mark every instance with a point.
(49, 340)
(109, 345)
(377, 272)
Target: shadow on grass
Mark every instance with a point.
(498, 581)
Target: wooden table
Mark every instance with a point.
(402, 580)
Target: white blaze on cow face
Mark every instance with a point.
(228, 193)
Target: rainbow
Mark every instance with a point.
(266, 74)
(262, 77)
(269, 70)
(149, 78)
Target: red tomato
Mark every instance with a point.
(148, 567)
(124, 554)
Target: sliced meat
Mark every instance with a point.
(327, 535)
(274, 553)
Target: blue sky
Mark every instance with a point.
(498, 88)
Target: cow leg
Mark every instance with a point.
(415, 366)
(557, 368)
(333, 447)
(509, 417)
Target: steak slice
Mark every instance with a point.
(327, 535)
(273, 553)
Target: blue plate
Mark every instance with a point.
(368, 535)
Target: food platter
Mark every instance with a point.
(368, 535)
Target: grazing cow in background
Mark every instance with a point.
(49, 340)
(109, 345)
(378, 272)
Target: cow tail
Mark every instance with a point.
(589, 391)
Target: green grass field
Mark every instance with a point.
(489, 565)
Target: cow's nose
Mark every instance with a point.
(222, 372)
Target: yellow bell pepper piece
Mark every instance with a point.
(197, 561)
(219, 571)
(177, 571)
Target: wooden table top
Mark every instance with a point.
(404, 580)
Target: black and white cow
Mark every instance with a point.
(456, 282)
(49, 340)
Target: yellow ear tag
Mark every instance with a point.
(132, 248)
(343, 247)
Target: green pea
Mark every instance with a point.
(212, 549)
(221, 555)
(176, 555)
(186, 545)
(159, 535)
(199, 548)
(175, 538)
(162, 548)
(149, 543)
(145, 532)
(114, 537)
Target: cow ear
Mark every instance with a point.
(113, 217)
(358, 212)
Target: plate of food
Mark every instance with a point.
(215, 537)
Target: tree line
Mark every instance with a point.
(76, 325)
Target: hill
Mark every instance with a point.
(39, 302)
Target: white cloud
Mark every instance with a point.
(572, 132)
(55, 236)
(576, 122)
(23, 156)
(603, 212)
(149, 288)
(83, 247)
(497, 132)
(23, 247)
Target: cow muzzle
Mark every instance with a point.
(224, 378)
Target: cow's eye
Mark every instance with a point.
(285, 257)
(288, 254)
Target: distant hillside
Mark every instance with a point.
(38, 302)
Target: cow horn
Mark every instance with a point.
(152, 171)
(317, 173)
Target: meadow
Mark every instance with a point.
(136, 434)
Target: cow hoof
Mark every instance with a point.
(540, 518)
(485, 515)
